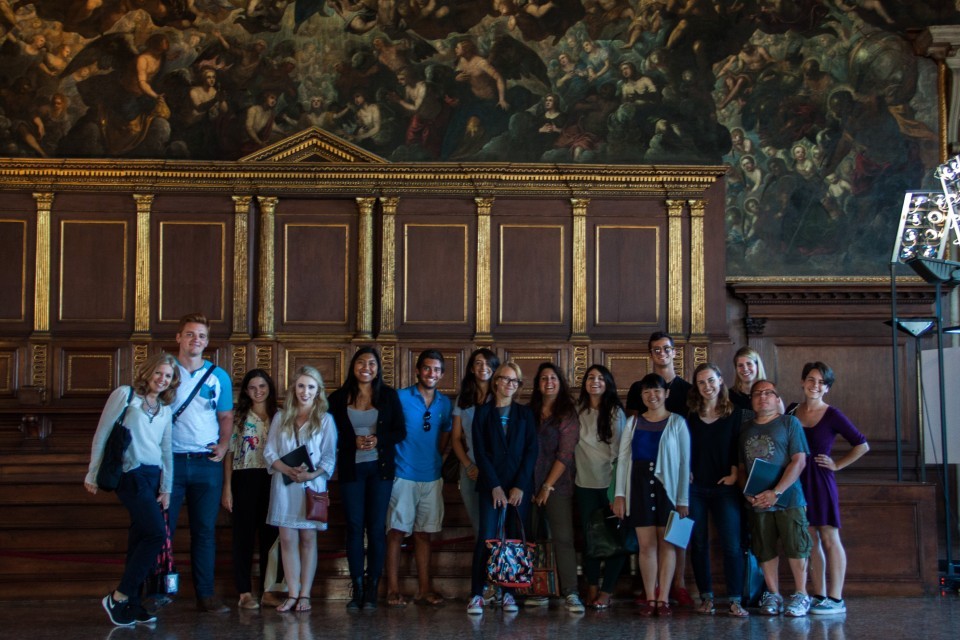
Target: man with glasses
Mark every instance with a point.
(662, 353)
(778, 513)
(416, 502)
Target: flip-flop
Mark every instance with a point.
(287, 605)
(432, 599)
(396, 600)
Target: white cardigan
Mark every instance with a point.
(673, 461)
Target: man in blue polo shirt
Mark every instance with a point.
(416, 502)
(203, 422)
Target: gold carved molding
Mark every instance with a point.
(388, 360)
(39, 364)
(238, 362)
(675, 288)
(579, 304)
(698, 275)
(265, 314)
(41, 295)
(264, 357)
(241, 266)
(701, 355)
(140, 354)
(580, 356)
(484, 266)
(141, 292)
(365, 293)
(388, 268)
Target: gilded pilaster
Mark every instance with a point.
(675, 267)
(241, 267)
(388, 268)
(698, 291)
(484, 266)
(141, 293)
(265, 313)
(41, 294)
(365, 270)
(579, 267)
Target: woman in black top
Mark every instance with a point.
(505, 446)
(749, 368)
(714, 424)
(369, 426)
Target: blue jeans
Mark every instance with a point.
(488, 530)
(722, 503)
(199, 481)
(365, 503)
(138, 492)
(588, 501)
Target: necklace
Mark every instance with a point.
(151, 410)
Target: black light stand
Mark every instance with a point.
(916, 327)
(941, 273)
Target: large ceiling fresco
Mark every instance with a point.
(821, 108)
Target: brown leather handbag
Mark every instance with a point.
(317, 505)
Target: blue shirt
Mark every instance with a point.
(198, 425)
(418, 458)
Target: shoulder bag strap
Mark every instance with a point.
(123, 413)
(193, 394)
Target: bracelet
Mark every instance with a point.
(548, 488)
(471, 468)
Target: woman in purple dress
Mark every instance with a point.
(822, 424)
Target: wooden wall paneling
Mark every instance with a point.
(329, 360)
(627, 270)
(435, 267)
(533, 256)
(14, 264)
(89, 371)
(529, 358)
(94, 275)
(194, 256)
(316, 274)
(9, 370)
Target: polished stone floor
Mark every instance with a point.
(932, 618)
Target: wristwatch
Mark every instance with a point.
(777, 493)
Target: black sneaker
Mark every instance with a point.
(118, 612)
(142, 616)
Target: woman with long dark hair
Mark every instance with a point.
(558, 430)
(714, 423)
(246, 482)
(653, 478)
(505, 446)
(303, 421)
(147, 477)
(475, 390)
(601, 425)
(370, 423)
(822, 424)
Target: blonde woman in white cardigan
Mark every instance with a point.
(653, 477)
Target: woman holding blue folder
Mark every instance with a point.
(653, 478)
(714, 424)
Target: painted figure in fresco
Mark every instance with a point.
(258, 123)
(485, 82)
(428, 112)
(127, 116)
(634, 87)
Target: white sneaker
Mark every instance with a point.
(575, 604)
(475, 607)
(798, 606)
(828, 607)
(509, 604)
(536, 601)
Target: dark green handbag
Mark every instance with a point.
(609, 536)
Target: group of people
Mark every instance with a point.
(676, 446)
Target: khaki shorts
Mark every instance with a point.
(789, 526)
(415, 506)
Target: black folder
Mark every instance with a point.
(296, 458)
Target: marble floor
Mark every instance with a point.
(931, 618)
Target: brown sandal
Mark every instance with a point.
(737, 611)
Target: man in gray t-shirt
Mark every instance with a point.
(779, 513)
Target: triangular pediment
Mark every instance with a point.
(315, 146)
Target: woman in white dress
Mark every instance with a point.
(303, 421)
